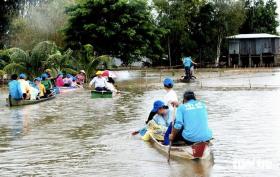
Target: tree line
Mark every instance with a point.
(161, 30)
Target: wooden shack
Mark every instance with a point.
(249, 50)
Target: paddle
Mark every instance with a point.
(170, 143)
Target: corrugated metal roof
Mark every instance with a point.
(251, 36)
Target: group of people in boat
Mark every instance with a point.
(20, 88)
(171, 121)
(103, 82)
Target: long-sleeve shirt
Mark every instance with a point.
(193, 118)
(15, 90)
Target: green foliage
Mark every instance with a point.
(2, 73)
(89, 62)
(261, 17)
(119, 28)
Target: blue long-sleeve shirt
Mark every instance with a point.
(193, 118)
(15, 90)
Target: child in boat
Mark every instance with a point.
(41, 87)
(160, 122)
(47, 83)
(15, 91)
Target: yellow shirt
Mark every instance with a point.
(42, 89)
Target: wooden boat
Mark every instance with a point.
(197, 151)
(12, 102)
(101, 94)
(184, 80)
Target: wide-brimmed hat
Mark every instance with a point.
(83, 71)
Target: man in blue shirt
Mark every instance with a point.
(191, 124)
(188, 63)
(15, 88)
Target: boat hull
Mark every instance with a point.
(184, 152)
(101, 94)
(12, 102)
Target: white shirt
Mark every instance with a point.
(98, 82)
(170, 97)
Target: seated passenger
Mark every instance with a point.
(99, 82)
(111, 85)
(68, 80)
(25, 87)
(191, 123)
(34, 91)
(47, 83)
(15, 91)
(59, 81)
(81, 77)
(160, 122)
(41, 87)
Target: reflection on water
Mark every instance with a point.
(74, 135)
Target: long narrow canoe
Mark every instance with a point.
(196, 151)
(101, 94)
(12, 102)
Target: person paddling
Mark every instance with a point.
(99, 82)
(188, 63)
(160, 122)
(191, 123)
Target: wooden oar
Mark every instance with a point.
(170, 142)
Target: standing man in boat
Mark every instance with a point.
(15, 91)
(191, 123)
(99, 82)
(170, 99)
(188, 63)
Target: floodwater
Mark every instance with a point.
(74, 135)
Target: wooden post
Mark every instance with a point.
(239, 60)
(250, 60)
(261, 60)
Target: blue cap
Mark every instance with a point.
(69, 76)
(168, 82)
(44, 76)
(159, 104)
(22, 76)
(37, 79)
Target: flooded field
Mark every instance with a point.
(74, 135)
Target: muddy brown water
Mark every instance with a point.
(74, 135)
